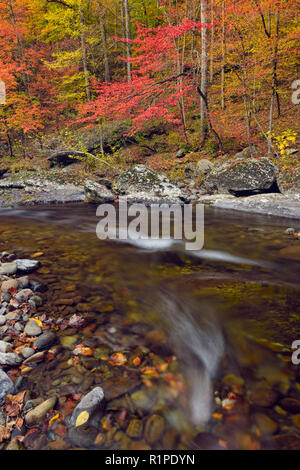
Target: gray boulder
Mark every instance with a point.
(96, 192)
(289, 180)
(242, 177)
(141, 184)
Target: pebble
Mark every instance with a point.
(32, 328)
(4, 346)
(37, 357)
(2, 320)
(19, 326)
(38, 413)
(292, 405)
(88, 404)
(10, 359)
(45, 340)
(12, 316)
(154, 428)
(8, 268)
(35, 301)
(23, 282)
(264, 397)
(135, 428)
(266, 425)
(68, 341)
(6, 385)
(26, 266)
(11, 284)
(23, 295)
(27, 352)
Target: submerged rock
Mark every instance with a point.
(45, 340)
(86, 407)
(38, 413)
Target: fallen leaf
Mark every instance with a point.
(82, 418)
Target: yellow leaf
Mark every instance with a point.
(36, 320)
(82, 418)
(54, 418)
(36, 255)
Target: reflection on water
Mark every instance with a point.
(212, 329)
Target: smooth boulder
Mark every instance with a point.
(242, 177)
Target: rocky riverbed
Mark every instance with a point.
(83, 367)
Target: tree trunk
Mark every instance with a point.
(203, 85)
(84, 58)
(223, 58)
(274, 84)
(128, 37)
(105, 52)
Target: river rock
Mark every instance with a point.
(45, 340)
(241, 177)
(292, 405)
(98, 193)
(141, 184)
(264, 397)
(26, 266)
(10, 359)
(286, 442)
(12, 316)
(23, 282)
(135, 428)
(32, 328)
(8, 268)
(2, 320)
(6, 385)
(248, 152)
(27, 352)
(38, 413)
(23, 295)
(203, 167)
(154, 428)
(289, 180)
(11, 284)
(266, 425)
(4, 347)
(86, 407)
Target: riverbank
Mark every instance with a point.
(57, 187)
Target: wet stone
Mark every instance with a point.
(291, 405)
(264, 397)
(11, 284)
(154, 428)
(23, 295)
(5, 346)
(6, 385)
(26, 266)
(45, 340)
(2, 320)
(32, 329)
(135, 428)
(10, 359)
(38, 413)
(88, 404)
(266, 425)
(27, 352)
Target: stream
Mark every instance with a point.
(212, 329)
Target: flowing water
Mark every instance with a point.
(212, 329)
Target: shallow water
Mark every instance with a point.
(205, 325)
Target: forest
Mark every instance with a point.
(216, 75)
